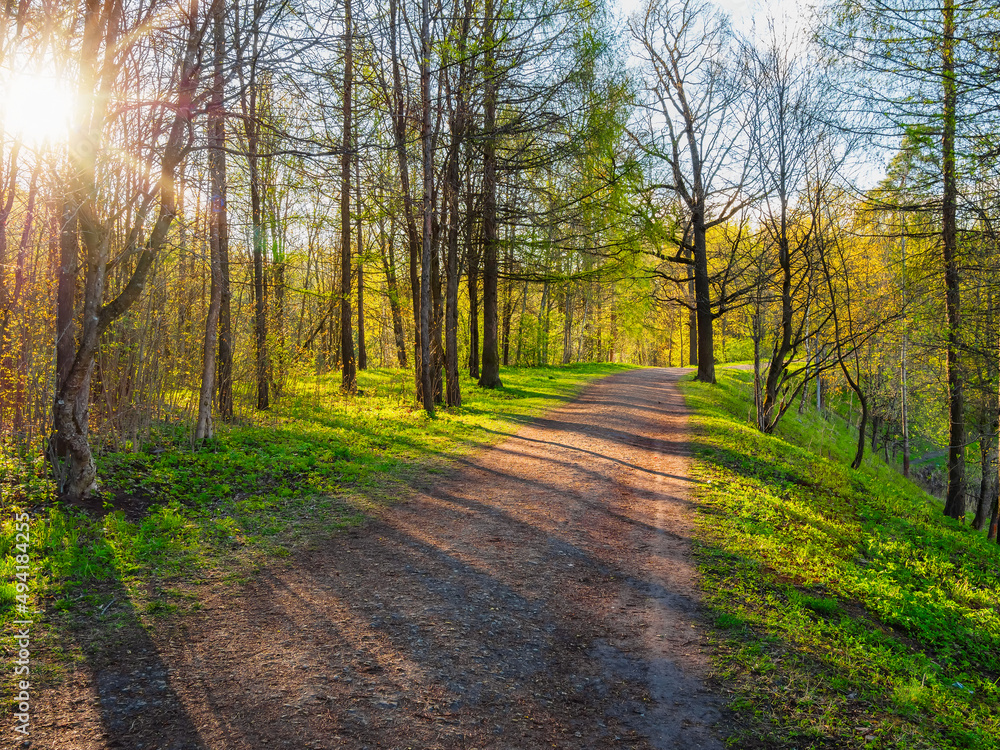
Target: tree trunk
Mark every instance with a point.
(389, 266)
(783, 346)
(986, 452)
(490, 377)
(955, 501)
(540, 333)
(277, 374)
(437, 320)
(520, 323)
(399, 118)
(904, 415)
(217, 223)
(703, 303)
(692, 322)
(860, 454)
(427, 146)
(567, 356)
(453, 389)
(219, 210)
(69, 251)
(348, 365)
(203, 428)
(362, 349)
(758, 391)
(252, 127)
(670, 337)
(473, 273)
(508, 307)
(994, 514)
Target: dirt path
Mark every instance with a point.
(543, 595)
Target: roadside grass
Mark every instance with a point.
(170, 519)
(849, 612)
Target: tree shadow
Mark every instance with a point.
(126, 694)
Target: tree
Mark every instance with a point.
(798, 158)
(254, 101)
(349, 378)
(490, 375)
(103, 51)
(691, 128)
(459, 124)
(915, 69)
(218, 240)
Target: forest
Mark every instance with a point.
(270, 249)
(204, 203)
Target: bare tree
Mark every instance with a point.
(798, 157)
(691, 127)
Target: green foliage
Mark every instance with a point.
(868, 618)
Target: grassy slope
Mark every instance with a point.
(319, 463)
(849, 611)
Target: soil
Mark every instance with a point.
(540, 594)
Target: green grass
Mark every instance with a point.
(849, 611)
(175, 517)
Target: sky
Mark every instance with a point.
(790, 16)
(743, 12)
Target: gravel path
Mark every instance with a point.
(540, 595)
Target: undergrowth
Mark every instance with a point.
(849, 611)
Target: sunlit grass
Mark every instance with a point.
(851, 613)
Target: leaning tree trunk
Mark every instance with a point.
(776, 369)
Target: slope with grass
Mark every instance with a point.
(850, 612)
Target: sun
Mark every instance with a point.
(36, 109)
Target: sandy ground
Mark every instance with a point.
(542, 594)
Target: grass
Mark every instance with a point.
(849, 611)
(175, 518)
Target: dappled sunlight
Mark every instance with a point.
(529, 595)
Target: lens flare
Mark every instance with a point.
(36, 109)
